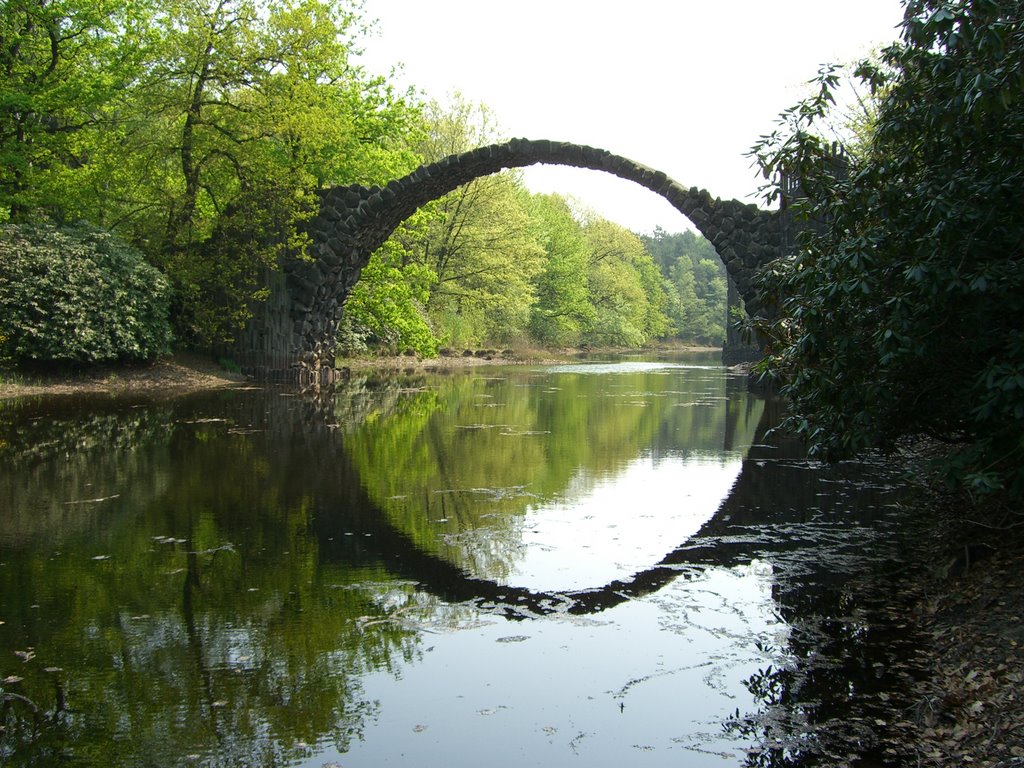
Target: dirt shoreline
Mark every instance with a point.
(968, 601)
(167, 376)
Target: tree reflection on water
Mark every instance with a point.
(211, 579)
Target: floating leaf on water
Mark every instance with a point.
(92, 501)
(102, 557)
(12, 679)
(168, 540)
(219, 703)
(513, 639)
(419, 728)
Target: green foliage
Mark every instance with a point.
(64, 65)
(476, 241)
(625, 288)
(563, 311)
(697, 285)
(480, 246)
(902, 310)
(386, 307)
(199, 131)
(78, 295)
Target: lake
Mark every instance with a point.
(606, 563)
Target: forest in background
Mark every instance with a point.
(156, 157)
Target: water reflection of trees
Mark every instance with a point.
(250, 568)
(457, 465)
(229, 581)
(190, 613)
(834, 538)
(65, 465)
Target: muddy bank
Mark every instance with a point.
(168, 376)
(967, 602)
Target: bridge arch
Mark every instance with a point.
(295, 331)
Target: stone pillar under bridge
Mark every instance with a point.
(736, 349)
(266, 348)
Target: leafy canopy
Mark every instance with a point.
(199, 130)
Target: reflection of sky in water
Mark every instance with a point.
(611, 527)
(626, 367)
(647, 683)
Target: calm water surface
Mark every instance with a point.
(596, 564)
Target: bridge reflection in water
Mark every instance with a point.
(258, 576)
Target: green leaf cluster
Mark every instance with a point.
(78, 295)
(387, 307)
(901, 312)
(492, 264)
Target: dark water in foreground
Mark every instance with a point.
(603, 564)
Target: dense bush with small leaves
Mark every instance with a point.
(78, 295)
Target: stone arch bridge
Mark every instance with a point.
(292, 336)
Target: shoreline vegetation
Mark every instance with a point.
(966, 598)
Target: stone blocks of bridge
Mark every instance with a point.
(354, 221)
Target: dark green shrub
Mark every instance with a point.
(901, 314)
(77, 295)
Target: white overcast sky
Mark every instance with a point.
(683, 86)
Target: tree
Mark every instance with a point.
(256, 105)
(200, 130)
(901, 312)
(697, 284)
(625, 288)
(64, 66)
(563, 311)
(387, 307)
(476, 240)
